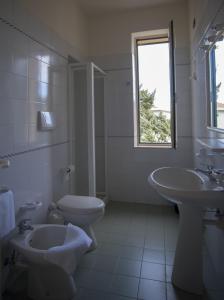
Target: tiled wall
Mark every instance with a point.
(33, 77)
(205, 13)
(129, 167)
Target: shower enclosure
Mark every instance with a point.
(87, 130)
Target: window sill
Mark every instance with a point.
(215, 129)
(154, 146)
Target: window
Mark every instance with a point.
(216, 83)
(153, 89)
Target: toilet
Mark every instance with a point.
(82, 211)
(52, 252)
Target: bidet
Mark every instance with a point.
(52, 252)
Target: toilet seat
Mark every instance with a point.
(80, 204)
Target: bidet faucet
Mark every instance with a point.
(24, 224)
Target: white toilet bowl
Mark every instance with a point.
(52, 252)
(82, 211)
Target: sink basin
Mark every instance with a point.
(192, 192)
(187, 186)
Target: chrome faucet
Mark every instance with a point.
(213, 174)
(24, 224)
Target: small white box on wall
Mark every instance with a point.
(46, 120)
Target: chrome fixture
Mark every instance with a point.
(218, 27)
(211, 38)
(216, 175)
(4, 163)
(204, 47)
(24, 224)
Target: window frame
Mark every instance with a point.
(210, 84)
(153, 35)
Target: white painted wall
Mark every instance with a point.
(110, 48)
(65, 18)
(50, 21)
(110, 34)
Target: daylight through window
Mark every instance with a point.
(216, 64)
(154, 111)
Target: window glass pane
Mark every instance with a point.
(154, 93)
(219, 84)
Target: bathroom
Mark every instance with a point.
(43, 44)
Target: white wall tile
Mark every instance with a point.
(22, 58)
(39, 91)
(45, 72)
(128, 167)
(110, 62)
(57, 75)
(35, 69)
(59, 94)
(13, 86)
(34, 176)
(119, 103)
(213, 258)
(6, 59)
(25, 74)
(6, 112)
(39, 138)
(21, 142)
(20, 63)
(6, 138)
(182, 56)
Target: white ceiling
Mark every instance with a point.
(97, 7)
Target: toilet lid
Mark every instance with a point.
(80, 204)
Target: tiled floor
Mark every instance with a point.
(134, 257)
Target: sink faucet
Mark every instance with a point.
(24, 224)
(213, 174)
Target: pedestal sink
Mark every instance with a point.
(192, 192)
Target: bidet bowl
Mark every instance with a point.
(35, 243)
(52, 252)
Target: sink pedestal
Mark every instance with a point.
(187, 271)
(192, 192)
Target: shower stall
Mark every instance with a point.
(87, 130)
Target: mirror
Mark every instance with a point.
(215, 56)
